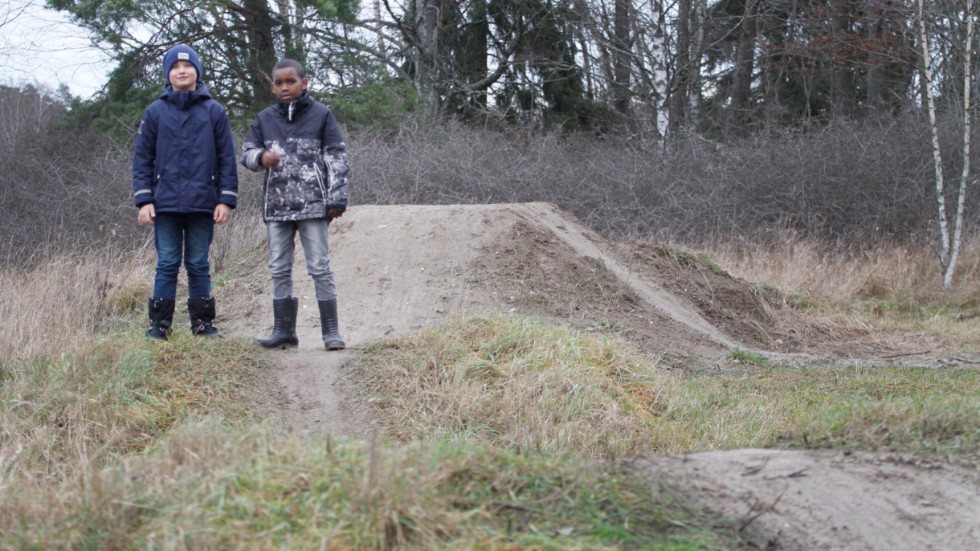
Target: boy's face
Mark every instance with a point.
(183, 76)
(287, 84)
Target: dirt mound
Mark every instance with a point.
(400, 269)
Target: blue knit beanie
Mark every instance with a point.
(180, 52)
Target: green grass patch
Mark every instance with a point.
(933, 413)
(524, 385)
(210, 486)
(750, 358)
(135, 444)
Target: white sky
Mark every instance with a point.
(42, 47)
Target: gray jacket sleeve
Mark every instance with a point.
(335, 155)
(253, 147)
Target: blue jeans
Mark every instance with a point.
(189, 236)
(282, 245)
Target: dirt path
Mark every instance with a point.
(397, 270)
(400, 269)
(831, 500)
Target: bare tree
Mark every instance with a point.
(950, 241)
(10, 11)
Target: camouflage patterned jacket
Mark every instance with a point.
(311, 177)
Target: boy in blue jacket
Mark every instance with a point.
(185, 180)
(298, 143)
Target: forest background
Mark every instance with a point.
(739, 122)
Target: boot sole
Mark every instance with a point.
(281, 346)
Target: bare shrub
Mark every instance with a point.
(59, 188)
(856, 181)
(850, 182)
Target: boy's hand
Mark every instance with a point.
(146, 215)
(334, 213)
(269, 159)
(222, 213)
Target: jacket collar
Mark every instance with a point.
(292, 110)
(185, 98)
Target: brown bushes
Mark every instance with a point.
(848, 182)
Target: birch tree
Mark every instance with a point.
(949, 240)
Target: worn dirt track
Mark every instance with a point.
(400, 269)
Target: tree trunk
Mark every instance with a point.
(841, 80)
(693, 120)
(475, 55)
(661, 78)
(937, 158)
(622, 56)
(965, 174)
(681, 81)
(379, 29)
(261, 52)
(744, 68)
(874, 79)
(426, 52)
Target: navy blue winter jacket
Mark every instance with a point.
(312, 174)
(185, 158)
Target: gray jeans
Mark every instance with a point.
(282, 245)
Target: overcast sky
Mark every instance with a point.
(41, 47)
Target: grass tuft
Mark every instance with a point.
(516, 383)
(750, 358)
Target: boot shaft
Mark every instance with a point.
(329, 325)
(285, 311)
(201, 310)
(283, 334)
(161, 314)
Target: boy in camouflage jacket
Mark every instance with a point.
(298, 143)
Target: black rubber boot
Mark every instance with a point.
(161, 314)
(328, 325)
(284, 330)
(201, 312)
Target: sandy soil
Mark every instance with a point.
(402, 268)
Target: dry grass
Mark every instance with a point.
(900, 286)
(842, 276)
(52, 309)
(67, 424)
(519, 384)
